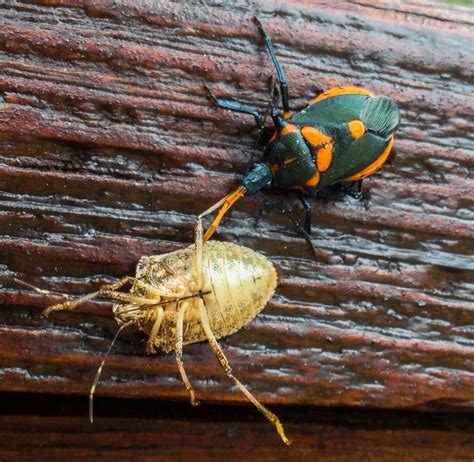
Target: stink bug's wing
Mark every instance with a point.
(355, 154)
(353, 159)
(334, 110)
(380, 115)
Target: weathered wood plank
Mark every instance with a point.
(109, 148)
(58, 429)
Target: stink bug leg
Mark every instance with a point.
(354, 189)
(235, 107)
(307, 207)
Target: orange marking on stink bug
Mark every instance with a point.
(290, 160)
(340, 91)
(287, 129)
(374, 166)
(274, 136)
(314, 180)
(324, 157)
(315, 137)
(357, 128)
(287, 115)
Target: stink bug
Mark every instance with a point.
(343, 135)
(203, 292)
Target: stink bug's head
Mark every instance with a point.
(259, 177)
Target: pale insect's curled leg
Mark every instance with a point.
(108, 290)
(271, 417)
(183, 308)
(150, 344)
(127, 298)
(150, 291)
(155, 292)
(78, 301)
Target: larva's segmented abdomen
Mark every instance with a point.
(241, 282)
(237, 283)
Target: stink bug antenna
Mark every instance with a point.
(99, 371)
(271, 51)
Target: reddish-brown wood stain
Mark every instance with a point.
(109, 148)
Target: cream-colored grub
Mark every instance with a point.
(204, 292)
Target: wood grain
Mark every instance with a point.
(109, 149)
(58, 429)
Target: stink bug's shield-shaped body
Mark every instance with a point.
(343, 135)
(203, 292)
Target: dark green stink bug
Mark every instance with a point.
(343, 135)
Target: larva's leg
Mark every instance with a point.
(183, 308)
(150, 344)
(156, 294)
(78, 301)
(150, 291)
(225, 365)
(72, 304)
(182, 281)
(126, 297)
(108, 290)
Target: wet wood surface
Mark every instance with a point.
(109, 148)
(58, 430)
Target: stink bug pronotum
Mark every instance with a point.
(343, 135)
(203, 292)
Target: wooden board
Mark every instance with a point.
(57, 429)
(109, 148)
